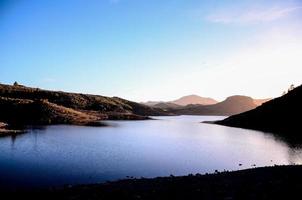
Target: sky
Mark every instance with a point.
(153, 49)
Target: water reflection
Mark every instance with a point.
(56, 155)
(13, 139)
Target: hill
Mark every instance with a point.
(280, 115)
(194, 99)
(22, 112)
(25, 105)
(232, 105)
(151, 103)
(167, 105)
(259, 102)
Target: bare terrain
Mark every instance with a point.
(22, 106)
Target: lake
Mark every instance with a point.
(178, 145)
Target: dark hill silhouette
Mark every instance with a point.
(232, 105)
(259, 102)
(280, 115)
(266, 183)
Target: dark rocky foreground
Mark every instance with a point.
(280, 116)
(279, 182)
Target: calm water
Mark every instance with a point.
(57, 155)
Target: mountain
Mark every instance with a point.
(167, 105)
(194, 99)
(280, 115)
(232, 105)
(259, 102)
(151, 103)
(25, 105)
(183, 101)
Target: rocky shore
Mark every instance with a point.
(267, 183)
(6, 130)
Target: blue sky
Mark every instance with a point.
(152, 49)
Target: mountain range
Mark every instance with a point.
(196, 105)
(230, 106)
(183, 101)
(21, 105)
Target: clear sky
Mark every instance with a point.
(153, 49)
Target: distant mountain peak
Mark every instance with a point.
(239, 98)
(194, 99)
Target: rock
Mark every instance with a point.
(3, 125)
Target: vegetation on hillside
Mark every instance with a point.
(20, 105)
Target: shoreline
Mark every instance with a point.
(9, 132)
(7, 129)
(274, 182)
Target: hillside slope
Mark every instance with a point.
(278, 115)
(232, 105)
(259, 102)
(194, 99)
(78, 101)
(167, 105)
(24, 105)
(23, 112)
